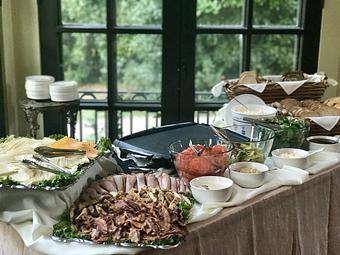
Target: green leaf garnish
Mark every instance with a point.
(64, 229)
(8, 181)
(62, 180)
(103, 145)
(56, 136)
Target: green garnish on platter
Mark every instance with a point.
(63, 228)
(185, 205)
(56, 136)
(61, 180)
(8, 181)
(103, 145)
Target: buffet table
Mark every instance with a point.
(303, 219)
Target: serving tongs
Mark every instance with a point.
(42, 163)
(219, 133)
(53, 152)
(262, 123)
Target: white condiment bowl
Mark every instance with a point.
(301, 160)
(315, 143)
(220, 189)
(248, 180)
(254, 111)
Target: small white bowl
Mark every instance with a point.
(207, 189)
(320, 141)
(248, 180)
(254, 111)
(300, 160)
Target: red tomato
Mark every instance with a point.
(212, 161)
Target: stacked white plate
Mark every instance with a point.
(37, 86)
(63, 91)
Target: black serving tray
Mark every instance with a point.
(155, 141)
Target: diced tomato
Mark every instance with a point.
(212, 161)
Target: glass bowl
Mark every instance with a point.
(252, 143)
(212, 157)
(291, 132)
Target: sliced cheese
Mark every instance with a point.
(70, 143)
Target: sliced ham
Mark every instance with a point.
(182, 186)
(165, 181)
(159, 179)
(151, 181)
(112, 181)
(140, 181)
(130, 182)
(173, 184)
(119, 182)
(107, 185)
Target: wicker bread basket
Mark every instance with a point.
(315, 129)
(274, 93)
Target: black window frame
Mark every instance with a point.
(178, 32)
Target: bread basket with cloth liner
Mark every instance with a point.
(274, 88)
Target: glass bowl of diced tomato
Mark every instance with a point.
(200, 157)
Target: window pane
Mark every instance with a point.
(84, 57)
(142, 12)
(206, 117)
(91, 125)
(269, 12)
(273, 54)
(220, 12)
(139, 67)
(83, 11)
(216, 56)
(135, 121)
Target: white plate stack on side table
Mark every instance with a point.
(63, 91)
(37, 86)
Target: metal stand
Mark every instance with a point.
(32, 108)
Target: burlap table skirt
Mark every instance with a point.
(304, 219)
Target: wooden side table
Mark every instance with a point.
(32, 108)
